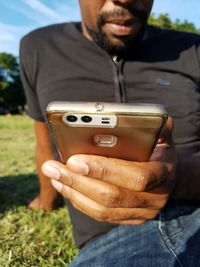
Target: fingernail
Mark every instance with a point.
(51, 171)
(79, 166)
(56, 185)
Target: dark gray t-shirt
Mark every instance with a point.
(58, 63)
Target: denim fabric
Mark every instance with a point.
(170, 240)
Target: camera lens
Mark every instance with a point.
(86, 119)
(71, 118)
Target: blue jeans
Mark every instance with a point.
(171, 239)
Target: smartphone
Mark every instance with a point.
(120, 130)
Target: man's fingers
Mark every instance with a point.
(100, 212)
(134, 176)
(107, 194)
(166, 133)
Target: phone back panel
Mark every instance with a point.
(136, 135)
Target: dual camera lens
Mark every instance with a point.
(72, 118)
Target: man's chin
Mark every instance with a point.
(122, 42)
(113, 44)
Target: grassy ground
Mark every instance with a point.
(27, 238)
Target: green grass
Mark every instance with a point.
(27, 237)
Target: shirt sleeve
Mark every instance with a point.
(27, 73)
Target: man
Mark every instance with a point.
(120, 209)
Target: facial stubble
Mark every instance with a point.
(122, 44)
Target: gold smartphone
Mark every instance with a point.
(127, 131)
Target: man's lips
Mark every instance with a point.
(121, 21)
(121, 27)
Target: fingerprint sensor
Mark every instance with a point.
(105, 140)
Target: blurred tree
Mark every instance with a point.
(8, 61)
(164, 21)
(185, 26)
(12, 97)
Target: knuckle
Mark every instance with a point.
(72, 180)
(111, 197)
(102, 172)
(101, 214)
(68, 177)
(141, 203)
(142, 179)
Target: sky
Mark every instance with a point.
(18, 17)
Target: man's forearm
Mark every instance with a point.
(188, 179)
(43, 155)
(47, 192)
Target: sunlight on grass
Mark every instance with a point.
(27, 237)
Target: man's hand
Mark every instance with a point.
(114, 190)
